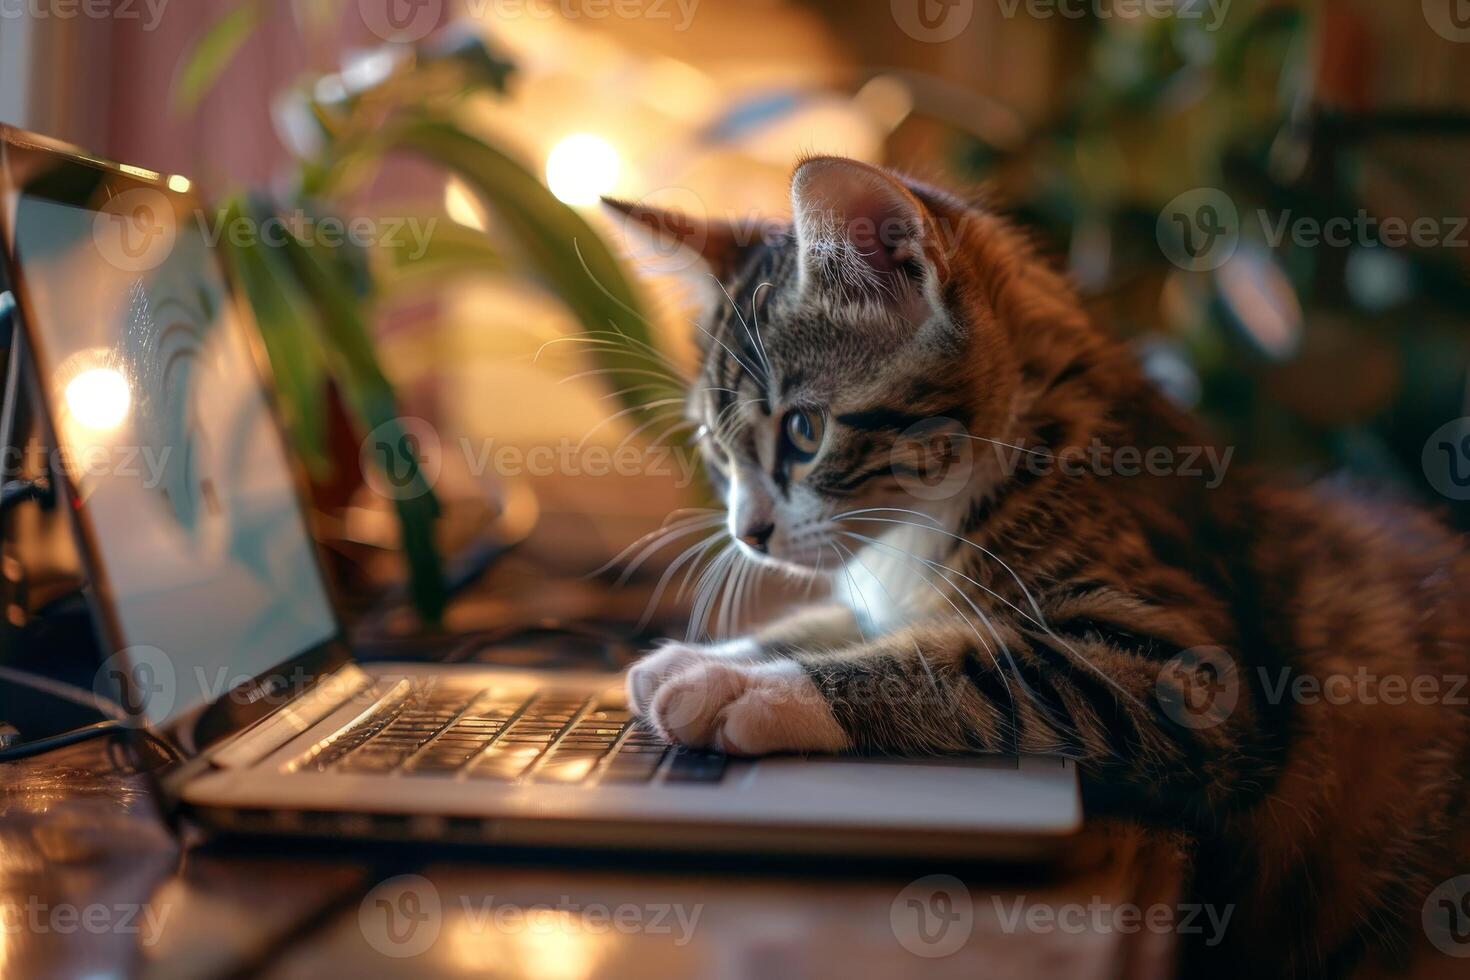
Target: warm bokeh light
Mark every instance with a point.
(179, 183)
(98, 398)
(582, 168)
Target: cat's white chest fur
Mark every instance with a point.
(886, 584)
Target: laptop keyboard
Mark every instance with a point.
(547, 736)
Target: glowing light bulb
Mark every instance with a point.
(99, 398)
(582, 168)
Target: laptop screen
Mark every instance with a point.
(169, 444)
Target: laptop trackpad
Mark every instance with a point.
(958, 792)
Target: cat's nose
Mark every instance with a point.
(758, 537)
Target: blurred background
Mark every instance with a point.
(1175, 155)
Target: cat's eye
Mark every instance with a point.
(803, 429)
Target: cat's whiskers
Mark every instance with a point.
(759, 351)
(1039, 620)
(710, 581)
(938, 527)
(653, 548)
(664, 532)
(691, 555)
(926, 576)
(647, 407)
(727, 415)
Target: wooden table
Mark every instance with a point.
(93, 883)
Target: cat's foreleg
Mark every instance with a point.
(948, 686)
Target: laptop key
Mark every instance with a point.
(566, 767)
(694, 766)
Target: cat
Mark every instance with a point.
(899, 396)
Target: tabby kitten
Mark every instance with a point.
(1032, 550)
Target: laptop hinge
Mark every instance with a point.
(292, 719)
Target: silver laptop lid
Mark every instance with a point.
(205, 574)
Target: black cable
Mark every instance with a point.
(14, 753)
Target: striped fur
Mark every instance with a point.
(1034, 607)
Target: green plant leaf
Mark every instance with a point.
(285, 319)
(212, 53)
(450, 251)
(355, 369)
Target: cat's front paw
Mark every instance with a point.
(670, 658)
(745, 709)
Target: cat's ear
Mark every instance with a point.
(861, 231)
(723, 246)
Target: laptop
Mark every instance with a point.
(220, 632)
